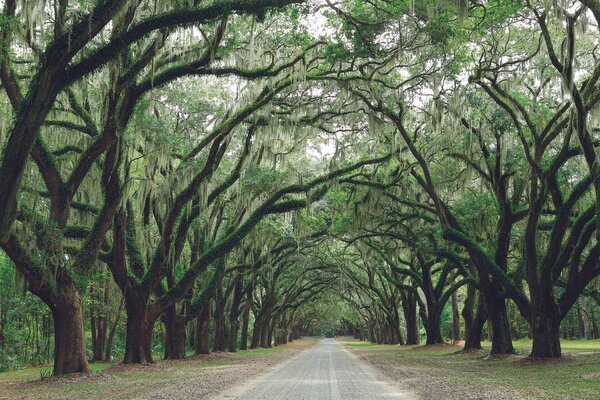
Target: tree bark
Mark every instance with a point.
(269, 342)
(432, 328)
(371, 327)
(256, 332)
(394, 321)
(219, 318)
(409, 307)
(468, 312)
(499, 324)
(546, 339)
(175, 335)
(474, 327)
(138, 342)
(202, 334)
(245, 323)
(69, 340)
(234, 314)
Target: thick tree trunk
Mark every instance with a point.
(234, 313)
(545, 331)
(175, 335)
(264, 335)
(202, 334)
(233, 334)
(474, 326)
(260, 334)
(499, 324)
(219, 344)
(397, 335)
(69, 341)
(256, 332)
(394, 321)
(138, 342)
(371, 327)
(409, 307)
(432, 328)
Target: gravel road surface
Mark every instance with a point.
(325, 371)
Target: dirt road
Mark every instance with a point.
(326, 371)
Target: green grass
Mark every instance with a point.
(576, 376)
(363, 345)
(34, 373)
(524, 345)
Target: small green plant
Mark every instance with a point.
(45, 373)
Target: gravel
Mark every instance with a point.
(324, 372)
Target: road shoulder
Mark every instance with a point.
(425, 382)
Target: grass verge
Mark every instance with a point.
(195, 377)
(575, 376)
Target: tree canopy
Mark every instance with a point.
(233, 173)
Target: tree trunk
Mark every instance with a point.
(474, 327)
(138, 342)
(98, 346)
(219, 344)
(499, 324)
(260, 334)
(69, 341)
(245, 323)
(396, 334)
(432, 328)
(202, 334)
(371, 327)
(256, 331)
(468, 312)
(234, 313)
(455, 319)
(269, 338)
(175, 335)
(264, 335)
(545, 330)
(409, 306)
(233, 333)
(585, 319)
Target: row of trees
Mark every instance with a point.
(148, 168)
(497, 153)
(191, 157)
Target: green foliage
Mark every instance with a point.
(25, 323)
(258, 180)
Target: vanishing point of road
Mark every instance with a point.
(326, 371)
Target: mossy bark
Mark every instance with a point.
(69, 339)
